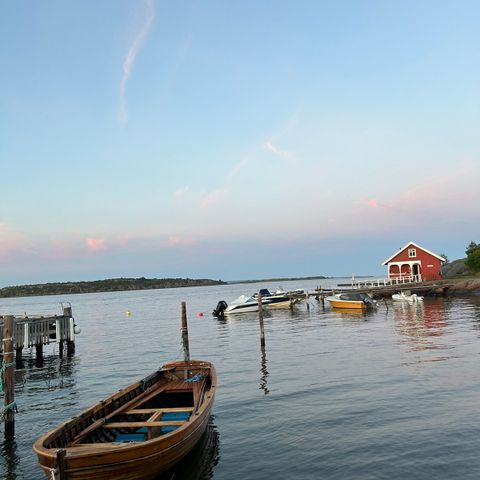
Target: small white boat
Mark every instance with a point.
(406, 297)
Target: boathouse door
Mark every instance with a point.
(416, 271)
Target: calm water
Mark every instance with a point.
(389, 395)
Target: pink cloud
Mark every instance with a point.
(178, 241)
(95, 244)
(374, 203)
(10, 240)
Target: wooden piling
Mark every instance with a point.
(18, 358)
(70, 348)
(186, 347)
(260, 319)
(39, 355)
(60, 348)
(8, 380)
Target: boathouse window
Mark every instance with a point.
(412, 252)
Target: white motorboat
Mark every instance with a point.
(406, 297)
(244, 303)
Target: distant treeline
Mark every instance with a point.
(108, 285)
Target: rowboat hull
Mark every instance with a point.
(83, 456)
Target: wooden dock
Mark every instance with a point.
(380, 290)
(39, 330)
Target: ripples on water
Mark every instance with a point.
(392, 394)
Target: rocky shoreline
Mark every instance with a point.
(462, 286)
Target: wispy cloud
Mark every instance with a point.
(95, 244)
(179, 241)
(238, 167)
(374, 203)
(180, 192)
(270, 147)
(212, 197)
(130, 58)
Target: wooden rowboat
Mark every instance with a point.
(136, 433)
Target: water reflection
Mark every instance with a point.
(264, 372)
(200, 462)
(420, 325)
(55, 374)
(10, 459)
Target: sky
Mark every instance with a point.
(235, 140)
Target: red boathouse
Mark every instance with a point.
(414, 263)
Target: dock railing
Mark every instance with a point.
(383, 282)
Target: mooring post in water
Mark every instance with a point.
(260, 319)
(186, 348)
(39, 355)
(7, 380)
(18, 358)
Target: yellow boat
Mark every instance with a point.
(351, 301)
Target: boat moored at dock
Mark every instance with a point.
(244, 303)
(407, 297)
(352, 300)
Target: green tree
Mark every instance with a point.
(473, 257)
(444, 257)
(472, 246)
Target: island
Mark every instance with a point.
(107, 285)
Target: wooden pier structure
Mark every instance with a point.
(29, 331)
(381, 289)
(39, 330)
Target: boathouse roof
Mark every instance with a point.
(414, 245)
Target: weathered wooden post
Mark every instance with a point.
(18, 358)
(39, 354)
(186, 348)
(7, 377)
(260, 319)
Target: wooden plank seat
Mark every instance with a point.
(155, 410)
(159, 423)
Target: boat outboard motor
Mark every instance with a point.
(369, 302)
(221, 306)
